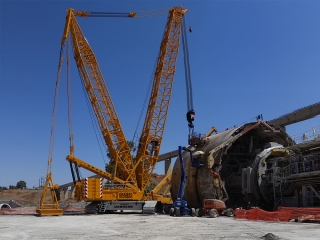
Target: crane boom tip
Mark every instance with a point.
(132, 14)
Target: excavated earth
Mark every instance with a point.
(25, 198)
(27, 201)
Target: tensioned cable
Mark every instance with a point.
(159, 12)
(93, 122)
(72, 166)
(187, 66)
(54, 112)
(147, 94)
(69, 98)
(145, 101)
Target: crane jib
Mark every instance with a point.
(131, 173)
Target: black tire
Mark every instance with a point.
(177, 211)
(197, 212)
(97, 210)
(200, 212)
(230, 212)
(166, 209)
(213, 213)
(171, 212)
(159, 207)
(193, 212)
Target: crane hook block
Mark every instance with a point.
(190, 29)
(190, 117)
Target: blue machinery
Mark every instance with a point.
(180, 206)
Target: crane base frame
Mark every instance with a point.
(49, 211)
(107, 206)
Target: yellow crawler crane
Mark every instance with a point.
(130, 175)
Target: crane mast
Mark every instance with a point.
(153, 129)
(100, 99)
(133, 173)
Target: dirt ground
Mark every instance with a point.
(134, 225)
(31, 198)
(25, 198)
(158, 227)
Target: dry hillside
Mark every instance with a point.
(26, 198)
(31, 198)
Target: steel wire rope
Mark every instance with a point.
(185, 73)
(94, 123)
(242, 123)
(135, 137)
(148, 92)
(187, 66)
(189, 23)
(72, 166)
(101, 15)
(161, 11)
(54, 113)
(247, 120)
(299, 134)
(158, 10)
(49, 181)
(153, 13)
(69, 98)
(119, 13)
(113, 14)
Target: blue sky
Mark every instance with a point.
(247, 58)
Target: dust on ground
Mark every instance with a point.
(135, 225)
(31, 198)
(141, 226)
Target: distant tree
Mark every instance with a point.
(131, 146)
(12, 187)
(111, 164)
(3, 188)
(150, 186)
(21, 185)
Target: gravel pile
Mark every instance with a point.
(270, 236)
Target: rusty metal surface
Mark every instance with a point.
(199, 183)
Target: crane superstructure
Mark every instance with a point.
(130, 174)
